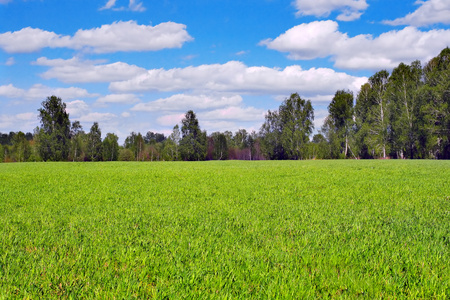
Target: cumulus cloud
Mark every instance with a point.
(350, 9)
(429, 12)
(170, 120)
(308, 40)
(183, 102)
(236, 77)
(129, 36)
(75, 70)
(234, 113)
(118, 99)
(97, 117)
(10, 91)
(39, 91)
(81, 111)
(209, 108)
(31, 40)
(23, 121)
(323, 39)
(115, 37)
(77, 108)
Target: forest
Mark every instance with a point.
(401, 115)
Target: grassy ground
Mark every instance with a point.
(303, 229)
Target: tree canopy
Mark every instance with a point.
(402, 114)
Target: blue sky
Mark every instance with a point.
(139, 65)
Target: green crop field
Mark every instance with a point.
(234, 229)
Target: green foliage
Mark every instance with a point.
(339, 124)
(54, 134)
(94, 143)
(285, 133)
(193, 144)
(77, 142)
(437, 107)
(250, 230)
(110, 147)
(126, 154)
(2, 153)
(135, 142)
(21, 147)
(220, 146)
(406, 117)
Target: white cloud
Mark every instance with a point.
(10, 61)
(241, 53)
(118, 99)
(81, 111)
(30, 40)
(183, 102)
(97, 117)
(350, 9)
(77, 108)
(308, 40)
(132, 6)
(109, 4)
(39, 91)
(234, 113)
(129, 36)
(323, 39)
(118, 36)
(136, 6)
(236, 77)
(429, 12)
(170, 120)
(210, 109)
(26, 116)
(10, 91)
(75, 70)
(24, 122)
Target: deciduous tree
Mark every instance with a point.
(193, 144)
(94, 143)
(54, 135)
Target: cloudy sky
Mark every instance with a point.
(139, 65)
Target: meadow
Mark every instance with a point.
(225, 230)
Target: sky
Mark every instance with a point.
(140, 65)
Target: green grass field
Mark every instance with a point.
(234, 229)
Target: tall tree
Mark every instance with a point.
(333, 149)
(286, 132)
(341, 118)
(378, 117)
(94, 143)
(403, 93)
(54, 135)
(437, 107)
(193, 144)
(135, 142)
(153, 138)
(110, 147)
(220, 146)
(270, 133)
(21, 147)
(2, 153)
(171, 144)
(77, 137)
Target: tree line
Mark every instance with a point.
(405, 114)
